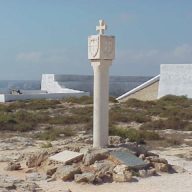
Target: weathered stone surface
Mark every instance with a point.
(147, 173)
(156, 159)
(122, 174)
(67, 157)
(142, 156)
(11, 157)
(50, 170)
(84, 177)
(95, 154)
(13, 166)
(103, 168)
(35, 160)
(35, 177)
(115, 140)
(151, 172)
(67, 172)
(12, 184)
(161, 167)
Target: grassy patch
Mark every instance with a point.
(134, 135)
(53, 133)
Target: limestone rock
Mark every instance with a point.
(161, 167)
(142, 156)
(13, 166)
(147, 173)
(35, 177)
(155, 159)
(50, 170)
(67, 172)
(95, 154)
(122, 174)
(35, 160)
(143, 173)
(103, 168)
(114, 140)
(151, 172)
(84, 177)
(12, 184)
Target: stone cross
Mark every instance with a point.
(101, 52)
(102, 27)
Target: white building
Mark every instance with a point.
(174, 79)
(52, 87)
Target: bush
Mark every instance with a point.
(79, 100)
(174, 123)
(36, 104)
(53, 133)
(134, 135)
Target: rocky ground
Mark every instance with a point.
(25, 167)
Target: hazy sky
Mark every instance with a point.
(50, 36)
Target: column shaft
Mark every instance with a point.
(101, 101)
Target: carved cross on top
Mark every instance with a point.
(102, 27)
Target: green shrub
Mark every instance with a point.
(133, 134)
(79, 100)
(53, 133)
(174, 123)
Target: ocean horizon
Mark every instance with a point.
(117, 86)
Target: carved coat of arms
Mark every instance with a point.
(94, 46)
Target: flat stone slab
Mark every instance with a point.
(127, 158)
(66, 157)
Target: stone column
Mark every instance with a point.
(101, 51)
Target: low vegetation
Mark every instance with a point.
(169, 112)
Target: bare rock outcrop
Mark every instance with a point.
(121, 173)
(35, 160)
(67, 172)
(93, 155)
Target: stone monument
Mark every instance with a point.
(101, 52)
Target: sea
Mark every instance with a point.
(118, 84)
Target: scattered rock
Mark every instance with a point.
(103, 168)
(161, 167)
(84, 177)
(121, 174)
(35, 177)
(147, 173)
(12, 166)
(95, 154)
(142, 156)
(151, 172)
(51, 170)
(155, 159)
(67, 172)
(8, 183)
(35, 160)
(115, 140)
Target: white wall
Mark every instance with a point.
(175, 79)
(2, 98)
(50, 83)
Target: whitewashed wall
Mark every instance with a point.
(175, 79)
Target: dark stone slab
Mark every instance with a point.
(127, 158)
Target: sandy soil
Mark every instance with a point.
(165, 183)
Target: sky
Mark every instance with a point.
(50, 36)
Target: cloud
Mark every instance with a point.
(147, 62)
(29, 56)
(180, 54)
(45, 57)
